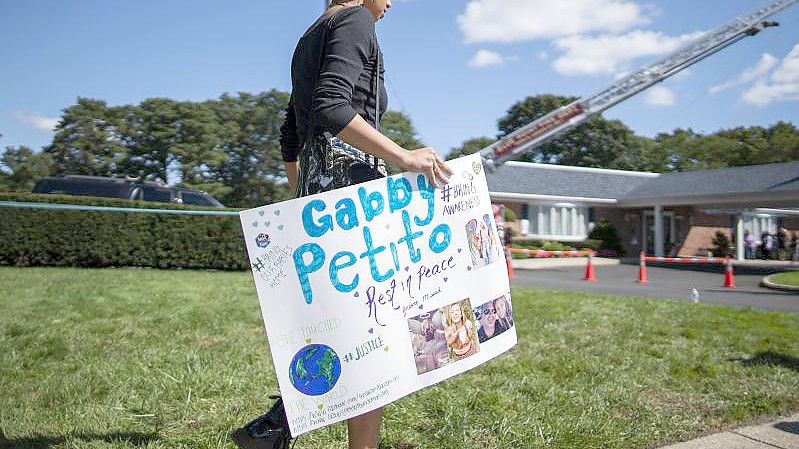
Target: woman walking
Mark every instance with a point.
(331, 137)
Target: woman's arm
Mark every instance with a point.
(290, 144)
(349, 48)
(360, 134)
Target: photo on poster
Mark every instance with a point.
(493, 318)
(445, 335)
(483, 244)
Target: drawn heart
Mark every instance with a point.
(371, 330)
(357, 294)
(385, 348)
(277, 212)
(254, 224)
(407, 268)
(268, 223)
(261, 212)
(468, 268)
(446, 279)
(280, 227)
(321, 406)
(477, 167)
(308, 340)
(421, 306)
(388, 226)
(459, 249)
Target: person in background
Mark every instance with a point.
(783, 242)
(750, 245)
(766, 245)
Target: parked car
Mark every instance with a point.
(125, 188)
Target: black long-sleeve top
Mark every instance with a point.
(333, 77)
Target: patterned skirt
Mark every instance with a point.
(328, 163)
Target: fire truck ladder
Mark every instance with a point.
(567, 117)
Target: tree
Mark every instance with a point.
(399, 128)
(687, 150)
(470, 146)
(150, 132)
(87, 140)
(250, 161)
(595, 143)
(23, 168)
(783, 140)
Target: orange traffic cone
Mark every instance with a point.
(729, 275)
(642, 270)
(509, 262)
(590, 274)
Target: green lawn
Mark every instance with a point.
(790, 278)
(123, 358)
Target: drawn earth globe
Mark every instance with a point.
(315, 369)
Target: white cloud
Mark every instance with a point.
(761, 69)
(608, 54)
(37, 121)
(520, 20)
(782, 85)
(660, 96)
(485, 58)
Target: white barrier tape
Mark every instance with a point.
(51, 206)
(541, 254)
(684, 259)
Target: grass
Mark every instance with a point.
(126, 358)
(790, 278)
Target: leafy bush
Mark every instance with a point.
(592, 244)
(102, 239)
(510, 215)
(556, 246)
(607, 233)
(722, 247)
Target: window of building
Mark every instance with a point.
(560, 221)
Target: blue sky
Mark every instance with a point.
(455, 66)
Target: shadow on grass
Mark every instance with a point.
(773, 359)
(788, 426)
(45, 442)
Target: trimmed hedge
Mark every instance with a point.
(102, 239)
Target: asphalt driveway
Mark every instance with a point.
(664, 283)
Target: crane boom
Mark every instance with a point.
(567, 117)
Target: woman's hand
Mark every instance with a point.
(426, 160)
(363, 136)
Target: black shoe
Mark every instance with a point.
(268, 431)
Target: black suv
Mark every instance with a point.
(126, 188)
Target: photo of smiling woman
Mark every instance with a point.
(494, 318)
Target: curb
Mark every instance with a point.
(766, 282)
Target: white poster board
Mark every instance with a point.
(374, 291)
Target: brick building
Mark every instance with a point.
(662, 214)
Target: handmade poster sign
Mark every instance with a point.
(372, 292)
